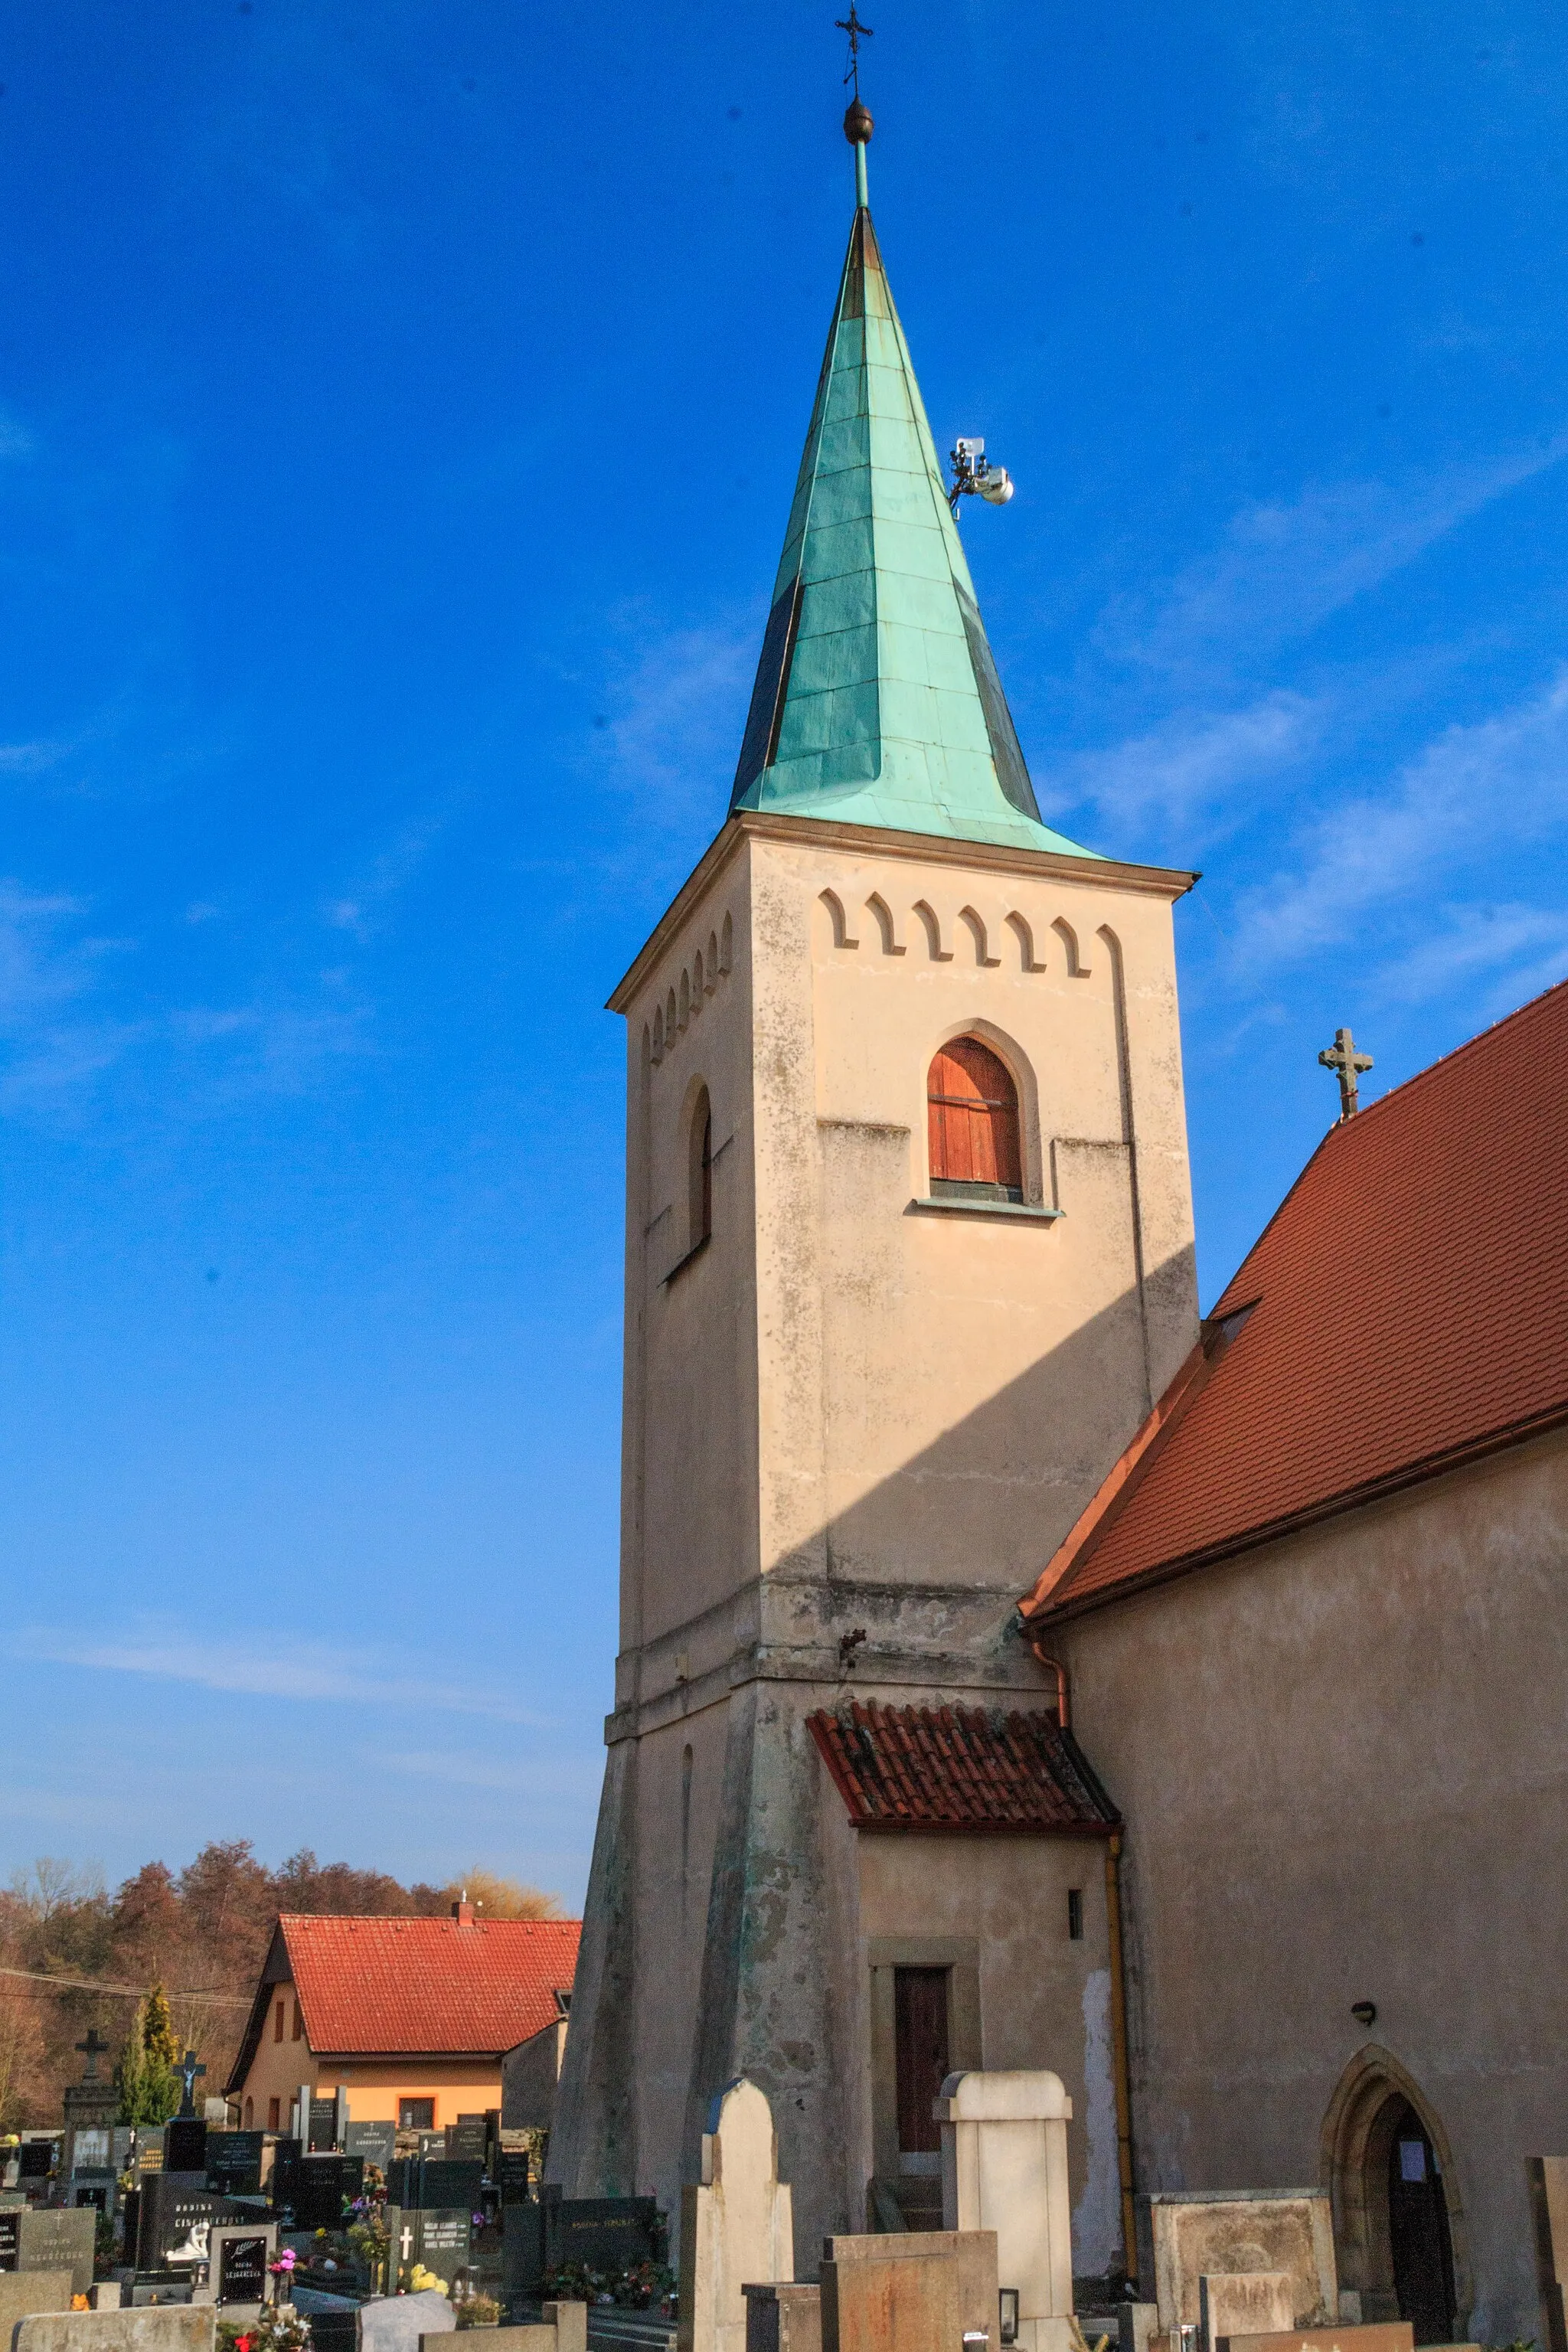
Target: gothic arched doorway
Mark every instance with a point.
(1399, 2230)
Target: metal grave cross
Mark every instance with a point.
(1347, 1065)
(92, 2050)
(187, 2069)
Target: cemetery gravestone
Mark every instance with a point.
(233, 2162)
(326, 2182)
(928, 2288)
(1004, 2167)
(465, 2140)
(784, 2317)
(35, 2161)
(736, 2224)
(22, 2293)
(396, 2322)
(191, 2328)
(419, 2183)
(324, 2126)
(175, 2222)
(185, 2146)
(451, 2181)
(1181, 2236)
(287, 2172)
(49, 2240)
(601, 2233)
(238, 2259)
(374, 2143)
(512, 2176)
(1255, 2303)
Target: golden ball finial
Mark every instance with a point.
(857, 123)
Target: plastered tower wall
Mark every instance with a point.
(846, 1412)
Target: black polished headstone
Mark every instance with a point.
(604, 2234)
(186, 2145)
(324, 2126)
(376, 2142)
(35, 2159)
(233, 2162)
(172, 2208)
(442, 2240)
(242, 2270)
(465, 2140)
(431, 2183)
(326, 2182)
(10, 2238)
(288, 2173)
(511, 2175)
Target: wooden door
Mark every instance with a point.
(920, 2043)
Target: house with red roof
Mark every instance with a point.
(413, 2017)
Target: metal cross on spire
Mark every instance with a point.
(1347, 1065)
(858, 33)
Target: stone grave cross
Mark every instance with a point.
(1347, 1065)
(92, 2050)
(188, 2070)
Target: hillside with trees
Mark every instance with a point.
(74, 1954)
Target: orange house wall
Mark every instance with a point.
(464, 2085)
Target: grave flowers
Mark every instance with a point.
(642, 2286)
(276, 2330)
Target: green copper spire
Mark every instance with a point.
(876, 699)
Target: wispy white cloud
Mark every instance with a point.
(51, 1042)
(15, 440)
(361, 907)
(278, 1667)
(674, 711)
(1286, 565)
(1524, 948)
(1502, 780)
(1196, 763)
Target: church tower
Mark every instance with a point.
(909, 1256)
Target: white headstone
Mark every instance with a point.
(1004, 2167)
(737, 2227)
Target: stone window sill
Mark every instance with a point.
(1029, 1211)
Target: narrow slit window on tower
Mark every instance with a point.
(973, 1109)
(701, 1171)
(1075, 1913)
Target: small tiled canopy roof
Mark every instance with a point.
(1405, 1311)
(428, 1988)
(962, 1769)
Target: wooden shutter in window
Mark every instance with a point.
(973, 1113)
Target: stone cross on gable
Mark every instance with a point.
(1347, 1065)
(187, 2069)
(92, 2050)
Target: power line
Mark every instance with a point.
(127, 1993)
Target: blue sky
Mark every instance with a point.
(399, 408)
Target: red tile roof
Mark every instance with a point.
(960, 1769)
(1409, 1311)
(431, 1988)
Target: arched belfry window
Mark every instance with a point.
(702, 1171)
(973, 1109)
